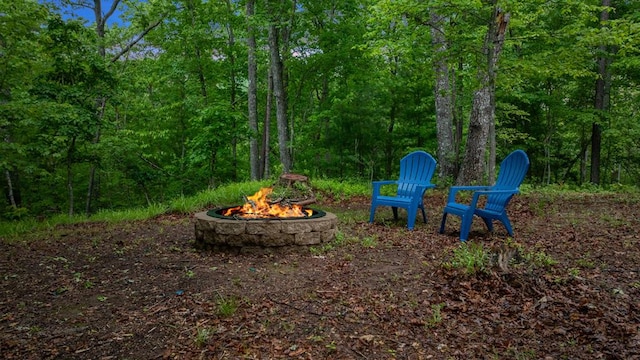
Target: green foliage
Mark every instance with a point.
(202, 336)
(129, 214)
(436, 315)
(227, 306)
(341, 189)
(470, 257)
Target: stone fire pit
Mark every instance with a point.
(215, 231)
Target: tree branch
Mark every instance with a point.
(114, 5)
(137, 39)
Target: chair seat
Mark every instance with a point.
(483, 213)
(390, 200)
(456, 208)
(459, 209)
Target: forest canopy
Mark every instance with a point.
(141, 102)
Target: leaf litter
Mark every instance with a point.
(567, 286)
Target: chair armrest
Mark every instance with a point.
(425, 187)
(384, 182)
(378, 184)
(455, 189)
(477, 194)
(489, 192)
(420, 189)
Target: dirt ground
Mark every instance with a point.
(566, 287)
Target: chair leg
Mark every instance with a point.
(465, 227)
(411, 217)
(395, 212)
(507, 224)
(444, 220)
(372, 213)
(489, 223)
(424, 215)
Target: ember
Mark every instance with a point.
(257, 207)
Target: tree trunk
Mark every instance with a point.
(443, 100)
(266, 132)
(233, 85)
(101, 22)
(473, 165)
(12, 199)
(102, 103)
(483, 111)
(601, 101)
(458, 115)
(70, 160)
(491, 162)
(279, 92)
(252, 93)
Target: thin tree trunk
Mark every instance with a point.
(279, 93)
(491, 176)
(389, 140)
(252, 93)
(284, 56)
(443, 100)
(12, 199)
(101, 22)
(266, 132)
(70, 153)
(601, 101)
(458, 115)
(198, 54)
(92, 171)
(233, 85)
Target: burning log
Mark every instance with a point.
(257, 206)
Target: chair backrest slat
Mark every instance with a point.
(513, 170)
(416, 168)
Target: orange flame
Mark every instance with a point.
(258, 207)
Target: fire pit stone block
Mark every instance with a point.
(263, 227)
(226, 227)
(293, 227)
(215, 233)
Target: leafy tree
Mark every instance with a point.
(21, 61)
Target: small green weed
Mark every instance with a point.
(316, 338)
(340, 240)
(332, 346)
(470, 257)
(521, 354)
(574, 272)
(538, 258)
(35, 329)
(369, 241)
(586, 262)
(227, 306)
(202, 336)
(436, 315)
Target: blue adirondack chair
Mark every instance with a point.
(416, 171)
(512, 172)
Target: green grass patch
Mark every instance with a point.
(341, 189)
(470, 257)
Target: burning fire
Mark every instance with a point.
(257, 206)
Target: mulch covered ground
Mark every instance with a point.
(566, 287)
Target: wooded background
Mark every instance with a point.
(149, 101)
